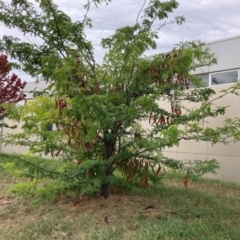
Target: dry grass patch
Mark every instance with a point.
(206, 210)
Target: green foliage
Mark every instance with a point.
(48, 182)
(97, 110)
(10, 167)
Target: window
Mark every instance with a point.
(213, 79)
(224, 77)
(48, 128)
(205, 81)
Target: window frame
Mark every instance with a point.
(222, 84)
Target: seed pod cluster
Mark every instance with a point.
(133, 167)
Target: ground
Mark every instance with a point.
(205, 210)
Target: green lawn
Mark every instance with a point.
(206, 210)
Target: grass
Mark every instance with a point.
(208, 209)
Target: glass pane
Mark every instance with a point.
(224, 77)
(49, 127)
(205, 81)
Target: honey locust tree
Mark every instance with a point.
(98, 110)
(11, 87)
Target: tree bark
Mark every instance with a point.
(108, 152)
(105, 190)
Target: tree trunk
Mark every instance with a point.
(108, 152)
(105, 190)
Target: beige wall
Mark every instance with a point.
(30, 87)
(228, 155)
(12, 148)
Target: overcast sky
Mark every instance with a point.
(206, 20)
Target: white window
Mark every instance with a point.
(224, 77)
(218, 78)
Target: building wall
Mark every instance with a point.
(228, 155)
(227, 52)
(30, 87)
(12, 148)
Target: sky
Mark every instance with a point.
(206, 20)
